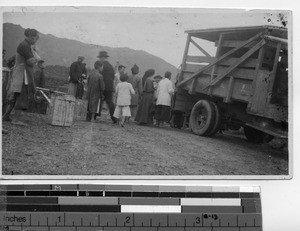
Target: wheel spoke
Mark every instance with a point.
(202, 118)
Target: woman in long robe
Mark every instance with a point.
(21, 87)
(136, 83)
(143, 115)
(148, 73)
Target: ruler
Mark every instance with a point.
(129, 208)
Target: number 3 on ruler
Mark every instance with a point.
(198, 221)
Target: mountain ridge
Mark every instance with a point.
(64, 51)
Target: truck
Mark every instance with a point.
(245, 85)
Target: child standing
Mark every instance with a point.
(124, 90)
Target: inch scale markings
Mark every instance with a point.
(144, 220)
(129, 208)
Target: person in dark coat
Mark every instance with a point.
(137, 85)
(95, 90)
(80, 85)
(108, 77)
(76, 70)
(144, 115)
(149, 72)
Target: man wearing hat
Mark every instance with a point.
(39, 76)
(108, 77)
(136, 83)
(76, 70)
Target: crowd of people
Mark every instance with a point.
(129, 97)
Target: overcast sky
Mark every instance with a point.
(155, 30)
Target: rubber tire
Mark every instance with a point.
(210, 120)
(254, 135)
(217, 124)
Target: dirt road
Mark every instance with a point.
(102, 148)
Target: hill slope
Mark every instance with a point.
(60, 51)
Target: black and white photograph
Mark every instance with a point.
(136, 91)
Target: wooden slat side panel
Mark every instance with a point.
(200, 59)
(234, 66)
(199, 83)
(249, 63)
(236, 43)
(188, 85)
(184, 102)
(194, 68)
(221, 58)
(261, 92)
(239, 73)
(241, 88)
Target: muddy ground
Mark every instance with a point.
(102, 148)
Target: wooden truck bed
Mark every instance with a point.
(243, 69)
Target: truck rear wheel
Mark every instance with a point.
(217, 123)
(202, 118)
(254, 135)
